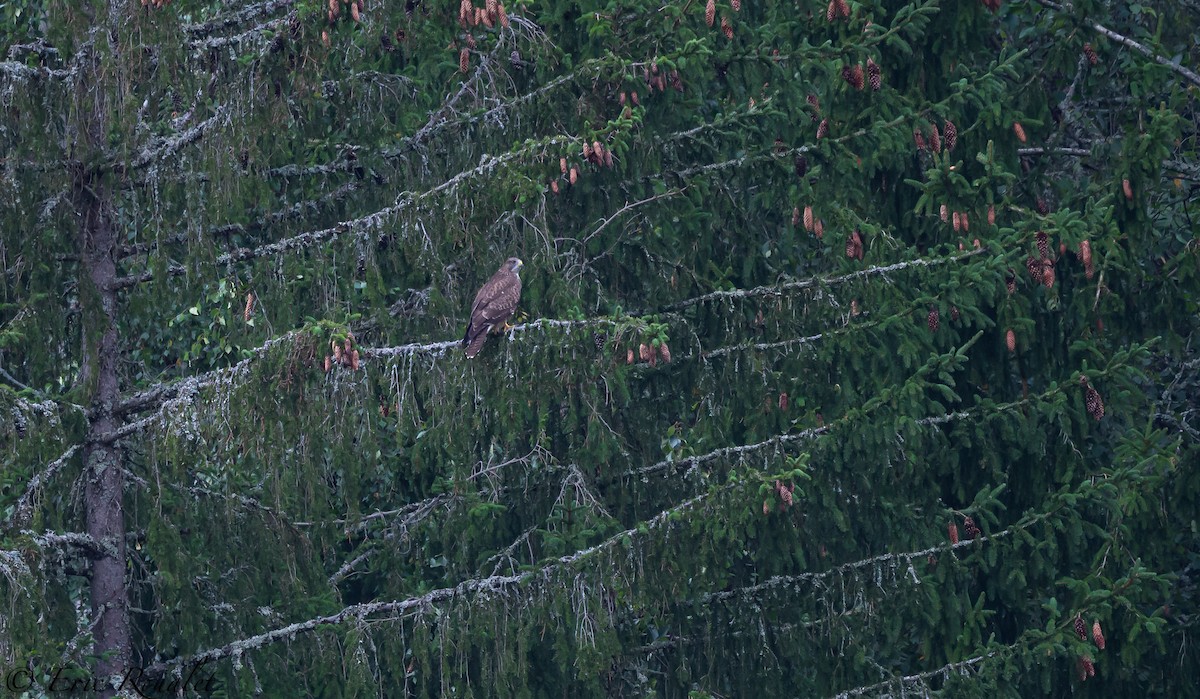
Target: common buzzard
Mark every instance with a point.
(494, 305)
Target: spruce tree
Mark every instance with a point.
(855, 355)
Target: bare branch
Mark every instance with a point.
(166, 147)
(781, 289)
(918, 679)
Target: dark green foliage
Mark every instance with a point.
(720, 451)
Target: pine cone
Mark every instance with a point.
(1035, 268)
(831, 11)
(664, 352)
(1095, 405)
(954, 315)
(873, 75)
(853, 75)
(1080, 628)
(1010, 340)
(808, 218)
(737, 5)
(503, 15)
(726, 27)
(1127, 187)
(1042, 207)
(783, 401)
(823, 129)
(819, 228)
(933, 320)
(970, 528)
(250, 298)
(464, 60)
(1098, 634)
(1019, 131)
(966, 224)
(957, 221)
(1085, 254)
(919, 139)
(843, 8)
(710, 12)
(816, 106)
(945, 213)
(991, 215)
(1091, 54)
(1048, 274)
(801, 165)
(1010, 281)
(952, 529)
(935, 139)
(1043, 244)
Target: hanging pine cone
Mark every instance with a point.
(737, 5)
(783, 401)
(957, 221)
(1019, 131)
(1085, 254)
(919, 139)
(503, 15)
(1098, 634)
(970, 528)
(801, 165)
(951, 135)
(954, 314)
(1010, 281)
(1080, 628)
(1010, 340)
(991, 215)
(1035, 269)
(1127, 188)
(831, 12)
(710, 12)
(1043, 244)
(819, 228)
(1091, 54)
(1093, 402)
(250, 298)
(464, 60)
(1048, 274)
(664, 352)
(1042, 207)
(726, 27)
(853, 75)
(816, 106)
(823, 129)
(843, 8)
(952, 529)
(933, 320)
(935, 139)
(874, 76)
(808, 218)
(966, 223)
(944, 211)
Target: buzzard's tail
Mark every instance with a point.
(474, 344)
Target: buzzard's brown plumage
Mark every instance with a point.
(494, 305)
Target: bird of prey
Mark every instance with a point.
(494, 305)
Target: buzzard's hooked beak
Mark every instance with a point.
(518, 265)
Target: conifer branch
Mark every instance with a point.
(918, 679)
(1188, 75)
(358, 612)
(23, 511)
(72, 540)
(241, 16)
(781, 289)
(375, 220)
(166, 147)
(134, 279)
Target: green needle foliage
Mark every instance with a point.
(856, 353)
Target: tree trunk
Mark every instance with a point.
(105, 471)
